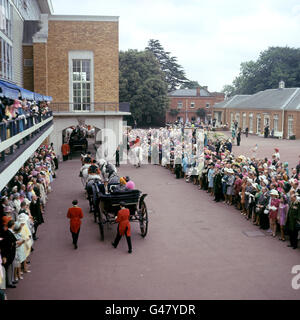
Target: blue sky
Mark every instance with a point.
(209, 38)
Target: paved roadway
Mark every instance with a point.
(195, 249)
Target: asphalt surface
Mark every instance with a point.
(195, 248)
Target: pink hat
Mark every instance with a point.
(130, 185)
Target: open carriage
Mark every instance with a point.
(107, 206)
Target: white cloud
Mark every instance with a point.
(209, 38)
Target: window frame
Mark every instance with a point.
(6, 60)
(258, 120)
(81, 56)
(275, 120)
(290, 128)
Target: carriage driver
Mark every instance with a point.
(94, 171)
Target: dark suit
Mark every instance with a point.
(35, 210)
(8, 250)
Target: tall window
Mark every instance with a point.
(275, 122)
(231, 119)
(192, 104)
(81, 84)
(251, 122)
(237, 118)
(244, 121)
(179, 104)
(266, 120)
(258, 124)
(5, 17)
(290, 126)
(5, 60)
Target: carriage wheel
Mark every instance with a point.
(100, 223)
(143, 216)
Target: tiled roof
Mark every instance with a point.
(189, 93)
(231, 102)
(272, 99)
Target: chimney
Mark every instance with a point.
(198, 92)
(281, 84)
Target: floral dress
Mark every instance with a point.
(275, 204)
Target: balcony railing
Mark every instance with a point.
(66, 107)
(15, 133)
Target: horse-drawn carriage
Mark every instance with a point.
(78, 142)
(106, 206)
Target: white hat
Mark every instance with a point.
(230, 171)
(22, 218)
(274, 193)
(266, 181)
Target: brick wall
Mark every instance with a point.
(40, 69)
(99, 37)
(28, 71)
(199, 103)
(271, 114)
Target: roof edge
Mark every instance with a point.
(83, 18)
(46, 6)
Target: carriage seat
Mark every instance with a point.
(130, 197)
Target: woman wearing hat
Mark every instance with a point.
(210, 176)
(123, 226)
(282, 214)
(229, 184)
(273, 210)
(24, 220)
(20, 251)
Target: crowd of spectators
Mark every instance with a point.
(19, 110)
(22, 205)
(13, 109)
(265, 191)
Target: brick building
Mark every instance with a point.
(74, 59)
(277, 108)
(192, 105)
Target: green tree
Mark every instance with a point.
(142, 83)
(273, 65)
(229, 90)
(190, 85)
(174, 73)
